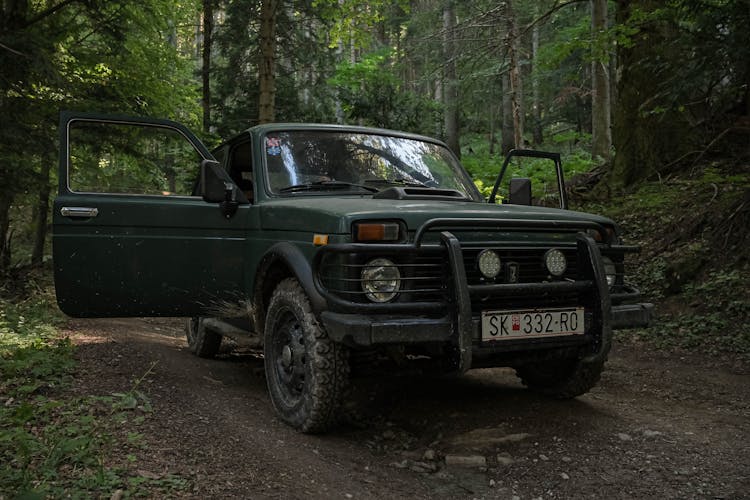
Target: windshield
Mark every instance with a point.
(320, 160)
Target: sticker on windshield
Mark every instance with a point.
(273, 146)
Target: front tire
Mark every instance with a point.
(306, 371)
(202, 342)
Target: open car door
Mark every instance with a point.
(132, 235)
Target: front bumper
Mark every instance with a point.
(368, 330)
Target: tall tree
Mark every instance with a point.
(267, 63)
(450, 89)
(208, 27)
(536, 105)
(601, 141)
(508, 134)
(513, 43)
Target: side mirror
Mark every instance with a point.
(217, 188)
(519, 191)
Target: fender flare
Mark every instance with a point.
(298, 264)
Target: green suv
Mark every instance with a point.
(332, 244)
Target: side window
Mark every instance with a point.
(105, 157)
(221, 155)
(241, 168)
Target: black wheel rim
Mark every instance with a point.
(289, 357)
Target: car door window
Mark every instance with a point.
(241, 168)
(126, 158)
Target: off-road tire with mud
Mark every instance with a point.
(564, 379)
(202, 341)
(306, 372)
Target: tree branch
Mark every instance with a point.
(547, 15)
(13, 51)
(48, 12)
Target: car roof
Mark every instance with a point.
(275, 127)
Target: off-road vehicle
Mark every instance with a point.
(329, 242)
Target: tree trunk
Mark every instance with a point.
(208, 27)
(450, 92)
(644, 140)
(42, 209)
(516, 82)
(508, 137)
(6, 199)
(266, 65)
(491, 138)
(601, 142)
(536, 107)
(439, 122)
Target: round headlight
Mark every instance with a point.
(489, 263)
(555, 261)
(381, 280)
(609, 270)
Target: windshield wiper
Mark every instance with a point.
(396, 182)
(325, 185)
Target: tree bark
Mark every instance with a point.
(644, 140)
(516, 82)
(267, 63)
(536, 107)
(6, 199)
(508, 138)
(450, 92)
(601, 142)
(208, 27)
(42, 209)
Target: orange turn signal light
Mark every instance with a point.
(598, 235)
(320, 239)
(377, 231)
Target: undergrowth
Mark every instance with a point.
(55, 444)
(695, 260)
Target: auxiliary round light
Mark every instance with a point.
(610, 271)
(381, 280)
(489, 263)
(555, 261)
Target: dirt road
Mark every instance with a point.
(658, 426)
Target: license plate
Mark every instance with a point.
(534, 323)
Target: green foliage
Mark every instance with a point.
(353, 22)
(371, 92)
(485, 167)
(713, 317)
(54, 444)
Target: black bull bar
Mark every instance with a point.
(591, 278)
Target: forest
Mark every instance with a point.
(628, 91)
(647, 101)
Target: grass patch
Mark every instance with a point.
(54, 444)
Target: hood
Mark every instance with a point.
(329, 215)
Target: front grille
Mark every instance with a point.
(423, 275)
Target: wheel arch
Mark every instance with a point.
(283, 260)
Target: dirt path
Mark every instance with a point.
(658, 426)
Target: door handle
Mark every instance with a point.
(82, 212)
